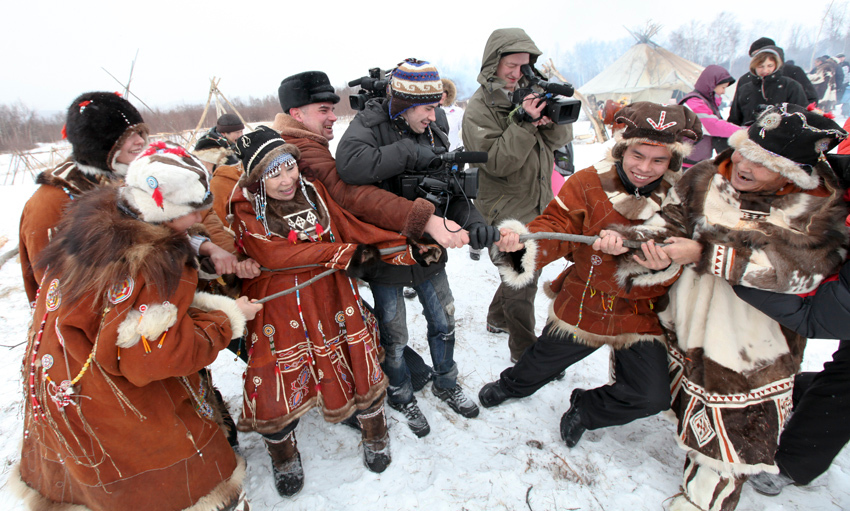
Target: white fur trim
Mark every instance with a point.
(33, 499)
(519, 278)
(92, 171)
(152, 324)
(630, 272)
(208, 302)
(183, 186)
(741, 142)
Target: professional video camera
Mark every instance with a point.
(444, 179)
(372, 86)
(560, 110)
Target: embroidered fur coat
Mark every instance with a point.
(318, 346)
(732, 367)
(116, 415)
(588, 299)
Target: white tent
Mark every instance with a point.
(647, 72)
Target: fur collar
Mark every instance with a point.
(289, 128)
(627, 204)
(98, 246)
(73, 177)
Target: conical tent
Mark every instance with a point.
(647, 72)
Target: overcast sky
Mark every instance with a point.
(54, 50)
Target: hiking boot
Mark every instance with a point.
(457, 400)
(492, 394)
(770, 484)
(376, 439)
(571, 426)
(493, 329)
(409, 293)
(286, 465)
(416, 421)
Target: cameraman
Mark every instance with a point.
(516, 181)
(389, 139)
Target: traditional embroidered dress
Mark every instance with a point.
(116, 415)
(317, 346)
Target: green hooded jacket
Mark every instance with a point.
(516, 181)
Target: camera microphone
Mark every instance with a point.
(464, 157)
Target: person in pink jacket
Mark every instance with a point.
(704, 101)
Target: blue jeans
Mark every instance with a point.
(439, 309)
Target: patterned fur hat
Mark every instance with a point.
(97, 125)
(166, 182)
(413, 82)
(305, 88)
(673, 126)
(790, 140)
(258, 150)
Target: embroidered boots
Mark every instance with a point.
(286, 464)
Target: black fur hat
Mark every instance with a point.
(97, 125)
(790, 140)
(305, 88)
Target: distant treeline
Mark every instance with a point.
(21, 128)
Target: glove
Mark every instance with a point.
(482, 236)
(425, 158)
(363, 262)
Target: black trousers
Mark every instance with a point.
(820, 424)
(641, 387)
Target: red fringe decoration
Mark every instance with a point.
(157, 197)
(64, 132)
(292, 237)
(319, 230)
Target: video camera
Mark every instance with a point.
(560, 110)
(445, 179)
(372, 86)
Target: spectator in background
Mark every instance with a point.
(789, 69)
(769, 87)
(842, 88)
(454, 113)
(218, 145)
(823, 77)
(704, 101)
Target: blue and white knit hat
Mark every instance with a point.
(413, 82)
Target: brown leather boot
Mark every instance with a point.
(286, 465)
(376, 439)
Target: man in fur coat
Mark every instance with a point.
(116, 414)
(590, 307)
(766, 214)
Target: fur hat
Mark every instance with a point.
(790, 140)
(413, 82)
(166, 182)
(228, 123)
(97, 125)
(450, 90)
(661, 125)
(305, 88)
(216, 150)
(258, 150)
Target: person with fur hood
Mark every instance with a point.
(318, 345)
(766, 214)
(704, 101)
(116, 413)
(106, 133)
(590, 307)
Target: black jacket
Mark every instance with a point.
(793, 72)
(770, 90)
(825, 315)
(378, 150)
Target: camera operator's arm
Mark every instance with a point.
(446, 232)
(361, 160)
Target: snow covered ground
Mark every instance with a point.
(508, 458)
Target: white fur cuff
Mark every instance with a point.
(524, 275)
(150, 325)
(208, 302)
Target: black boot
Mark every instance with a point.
(376, 439)
(492, 394)
(286, 465)
(571, 426)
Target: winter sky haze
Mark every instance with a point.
(55, 50)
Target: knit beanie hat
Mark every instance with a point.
(790, 140)
(166, 182)
(304, 89)
(228, 123)
(413, 82)
(673, 126)
(97, 125)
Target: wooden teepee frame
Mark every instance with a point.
(217, 96)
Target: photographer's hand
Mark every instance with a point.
(533, 106)
(446, 232)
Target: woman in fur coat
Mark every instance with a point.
(116, 414)
(316, 346)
